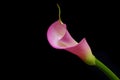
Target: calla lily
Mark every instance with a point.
(59, 38)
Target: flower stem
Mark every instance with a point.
(106, 70)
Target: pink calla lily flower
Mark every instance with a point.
(59, 38)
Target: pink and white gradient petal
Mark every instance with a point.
(59, 38)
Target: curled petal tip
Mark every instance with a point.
(59, 15)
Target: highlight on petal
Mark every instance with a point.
(59, 38)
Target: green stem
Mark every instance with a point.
(106, 70)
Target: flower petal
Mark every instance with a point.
(59, 38)
(83, 51)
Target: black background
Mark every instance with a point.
(32, 56)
